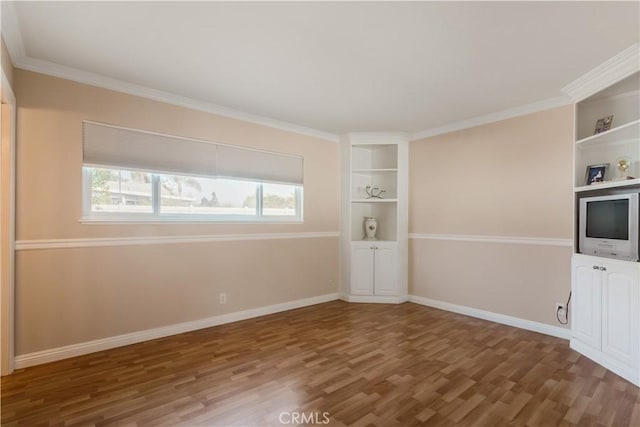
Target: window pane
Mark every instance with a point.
(206, 196)
(278, 200)
(114, 190)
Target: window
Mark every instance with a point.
(134, 175)
(120, 191)
(128, 195)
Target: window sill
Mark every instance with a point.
(179, 220)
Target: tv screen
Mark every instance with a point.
(608, 219)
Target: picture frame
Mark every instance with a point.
(603, 124)
(596, 173)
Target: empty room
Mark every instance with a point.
(320, 213)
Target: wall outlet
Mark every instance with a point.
(223, 298)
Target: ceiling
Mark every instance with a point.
(333, 67)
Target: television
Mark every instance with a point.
(608, 226)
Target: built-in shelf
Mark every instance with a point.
(374, 171)
(372, 241)
(625, 132)
(374, 200)
(374, 164)
(608, 184)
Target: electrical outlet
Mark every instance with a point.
(223, 298)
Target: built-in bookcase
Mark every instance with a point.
(622, 141)
(374, 177)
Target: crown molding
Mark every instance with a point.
(545, 104)
(97, 80)
(620, 66)
(15, 46)
(375, 137)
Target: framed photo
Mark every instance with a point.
(596, 173)
(604, 124)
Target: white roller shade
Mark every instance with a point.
(113, 146)
(258, 165)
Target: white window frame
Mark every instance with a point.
(157, 217)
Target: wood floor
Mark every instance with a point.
(353, 364)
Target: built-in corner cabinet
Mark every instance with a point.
(605, 305)
(374, 185)
(606, 313)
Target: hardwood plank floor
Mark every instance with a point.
(356, 364)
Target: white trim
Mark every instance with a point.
(620, 66)
(51, 355)
(517, 322)
(15, 46)
(7, 292)
(97, 80)
(374, 299)
(375, 138)
(539, 241)
(30, 245)
(602, 359)
(509, 113)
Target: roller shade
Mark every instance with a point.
(258, 165)
(113, 146)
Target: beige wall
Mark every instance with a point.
(67, 296)
(50, 113)
(510, 179)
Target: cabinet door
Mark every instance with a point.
(362, 270)
(386, 268)
(620, 321)
(587, 296)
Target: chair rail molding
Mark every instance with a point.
(30, 245)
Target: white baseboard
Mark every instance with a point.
(602, 359)
(495, 317)
(51, 355)
(374, 299)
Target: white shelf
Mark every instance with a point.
(372, 241)
(608, 184)
(374, 171)
(374, 200)
(628, 131)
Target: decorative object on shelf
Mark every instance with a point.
(604, 124)
(370, 227)
(622, 169)
(373, 192)
(596, 173)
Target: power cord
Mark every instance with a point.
(566, 312)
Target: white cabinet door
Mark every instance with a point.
(620, 321)
(587, 297)
(386, 270)
(362, 269)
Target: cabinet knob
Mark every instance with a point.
(371, 247)
(595, 267)
(603, 268)
(375, 247)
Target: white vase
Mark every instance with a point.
(370, 227)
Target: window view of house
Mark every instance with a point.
(115, 192)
